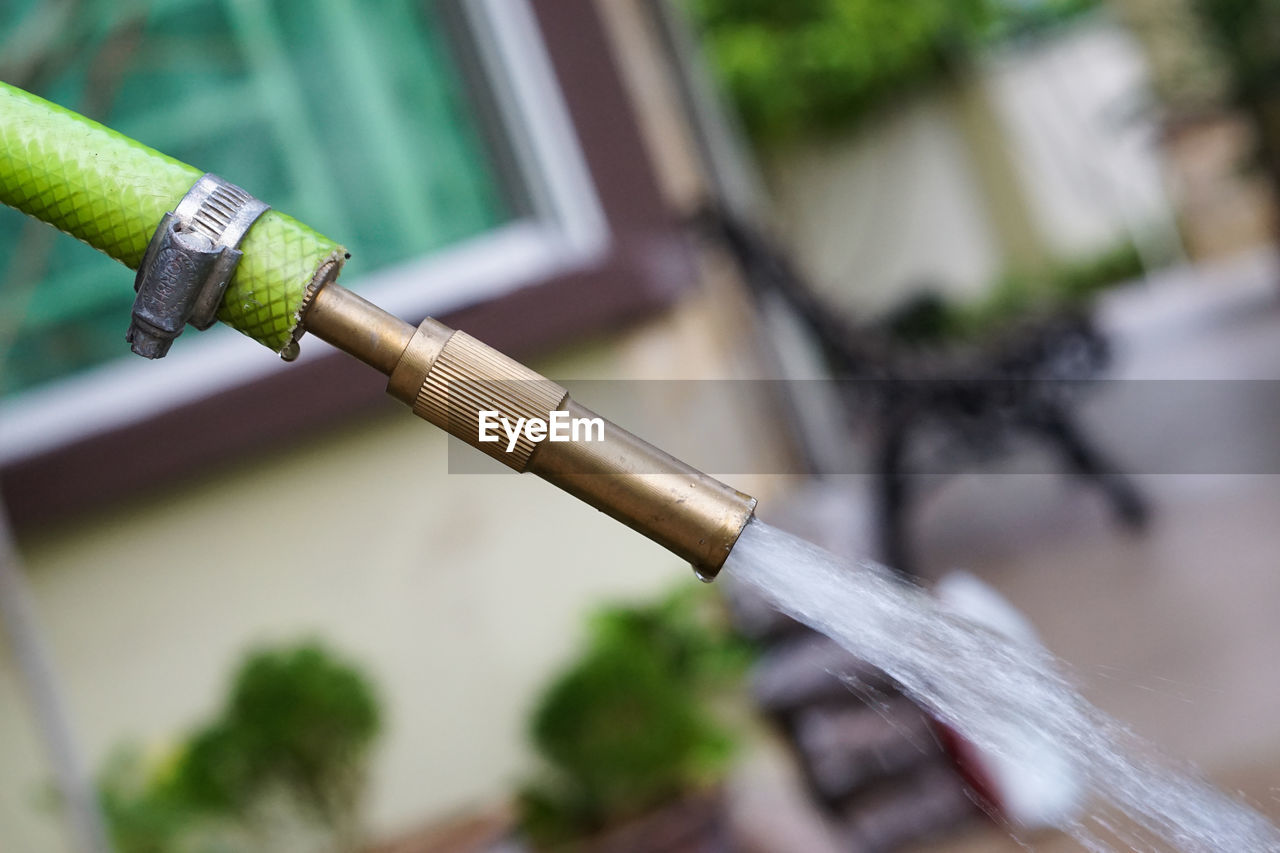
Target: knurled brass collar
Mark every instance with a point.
(465, 377)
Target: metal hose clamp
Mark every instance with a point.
(189, 262)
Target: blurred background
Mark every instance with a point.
(248, 607)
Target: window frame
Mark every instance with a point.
(598, 248)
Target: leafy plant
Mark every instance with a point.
(626, 727)
(296, 729)
(805, 67)
(1247, 35)
(929, 318)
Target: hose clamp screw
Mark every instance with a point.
(189, 263)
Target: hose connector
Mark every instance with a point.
(189, 263)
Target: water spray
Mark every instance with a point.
(206, 250)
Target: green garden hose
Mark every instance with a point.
(111, 192)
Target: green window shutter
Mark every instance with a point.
(352, 117)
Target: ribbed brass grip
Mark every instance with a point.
(469, 377)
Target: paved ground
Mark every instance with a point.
(1176, 632)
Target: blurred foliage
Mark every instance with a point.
(626, 727)
(1247, 33)
(1187, 74)
(805, 67)
(928, 318)
(292, 739)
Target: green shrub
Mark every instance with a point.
(297, 727)
(1246, 33)
(797, 68)
(626, 727)
(929, 318)
(1068, 284)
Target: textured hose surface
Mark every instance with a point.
(111, 192)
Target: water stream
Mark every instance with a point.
(1008, 698)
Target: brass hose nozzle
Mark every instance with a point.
(459, 384)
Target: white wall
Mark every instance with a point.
(872, 214)
(1083, 132)
(898, 202)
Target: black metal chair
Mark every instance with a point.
(974, 397)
